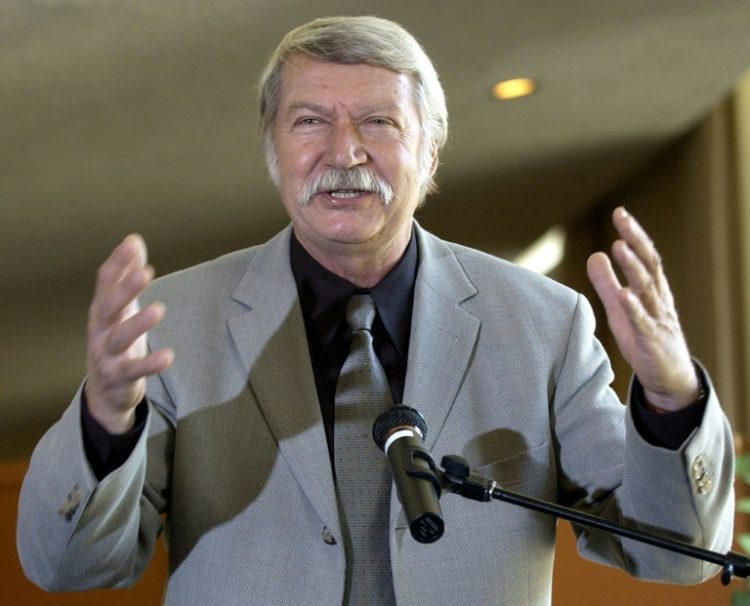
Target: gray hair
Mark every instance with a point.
(354, 40)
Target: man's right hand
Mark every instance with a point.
(117, 358)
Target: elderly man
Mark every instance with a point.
(241, 420)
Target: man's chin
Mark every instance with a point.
(345, 231)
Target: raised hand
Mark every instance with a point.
(117, 358)
(642, 316)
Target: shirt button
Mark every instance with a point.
(328, 538)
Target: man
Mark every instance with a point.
(226, 419)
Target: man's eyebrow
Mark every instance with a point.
(325, 110)
(380, 108)
(306, 105)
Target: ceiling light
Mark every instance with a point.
(546, 253)
(513, 89)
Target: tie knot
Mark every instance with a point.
(360, 312)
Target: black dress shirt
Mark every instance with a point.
(324, 297)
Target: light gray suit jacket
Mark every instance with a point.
(505, 369)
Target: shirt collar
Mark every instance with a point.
(324, 295)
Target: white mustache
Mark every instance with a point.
(359, 178)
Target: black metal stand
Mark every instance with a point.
(458, 478)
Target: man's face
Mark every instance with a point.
(335, 117)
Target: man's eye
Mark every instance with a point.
(308, 121)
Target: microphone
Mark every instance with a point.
(399, 432)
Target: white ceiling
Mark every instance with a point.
(140, 116)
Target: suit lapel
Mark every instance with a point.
(443, 334)
(271, 340)
(442, 340)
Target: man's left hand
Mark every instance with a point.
(642, 316)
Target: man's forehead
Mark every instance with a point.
(309, 82)
(302, 67)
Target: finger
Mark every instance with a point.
(118, 302)
(121, 374)
(608, 289)
(638, 240)
(649, 269)
(641, 282)
(122, 268)
(130, 254)
(637, 315)
(603, 278)
(122, 336)
(129, 370)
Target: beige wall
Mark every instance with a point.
(687, 199)
(741, 109)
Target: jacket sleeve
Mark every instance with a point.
(686, 494)
(75, 532)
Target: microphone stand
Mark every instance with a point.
(458, 478)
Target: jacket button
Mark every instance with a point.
(328, 538)
(72, 501)
(699, 467)
(704, 486)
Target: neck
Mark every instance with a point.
(362, 265)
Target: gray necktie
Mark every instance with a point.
(362, 477)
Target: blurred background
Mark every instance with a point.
(141, 116)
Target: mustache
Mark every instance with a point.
(355, 179)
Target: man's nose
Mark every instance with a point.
(346, 148)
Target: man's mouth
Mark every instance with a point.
(345, 187)
(342, 194)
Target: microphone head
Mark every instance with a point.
(396, 416)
